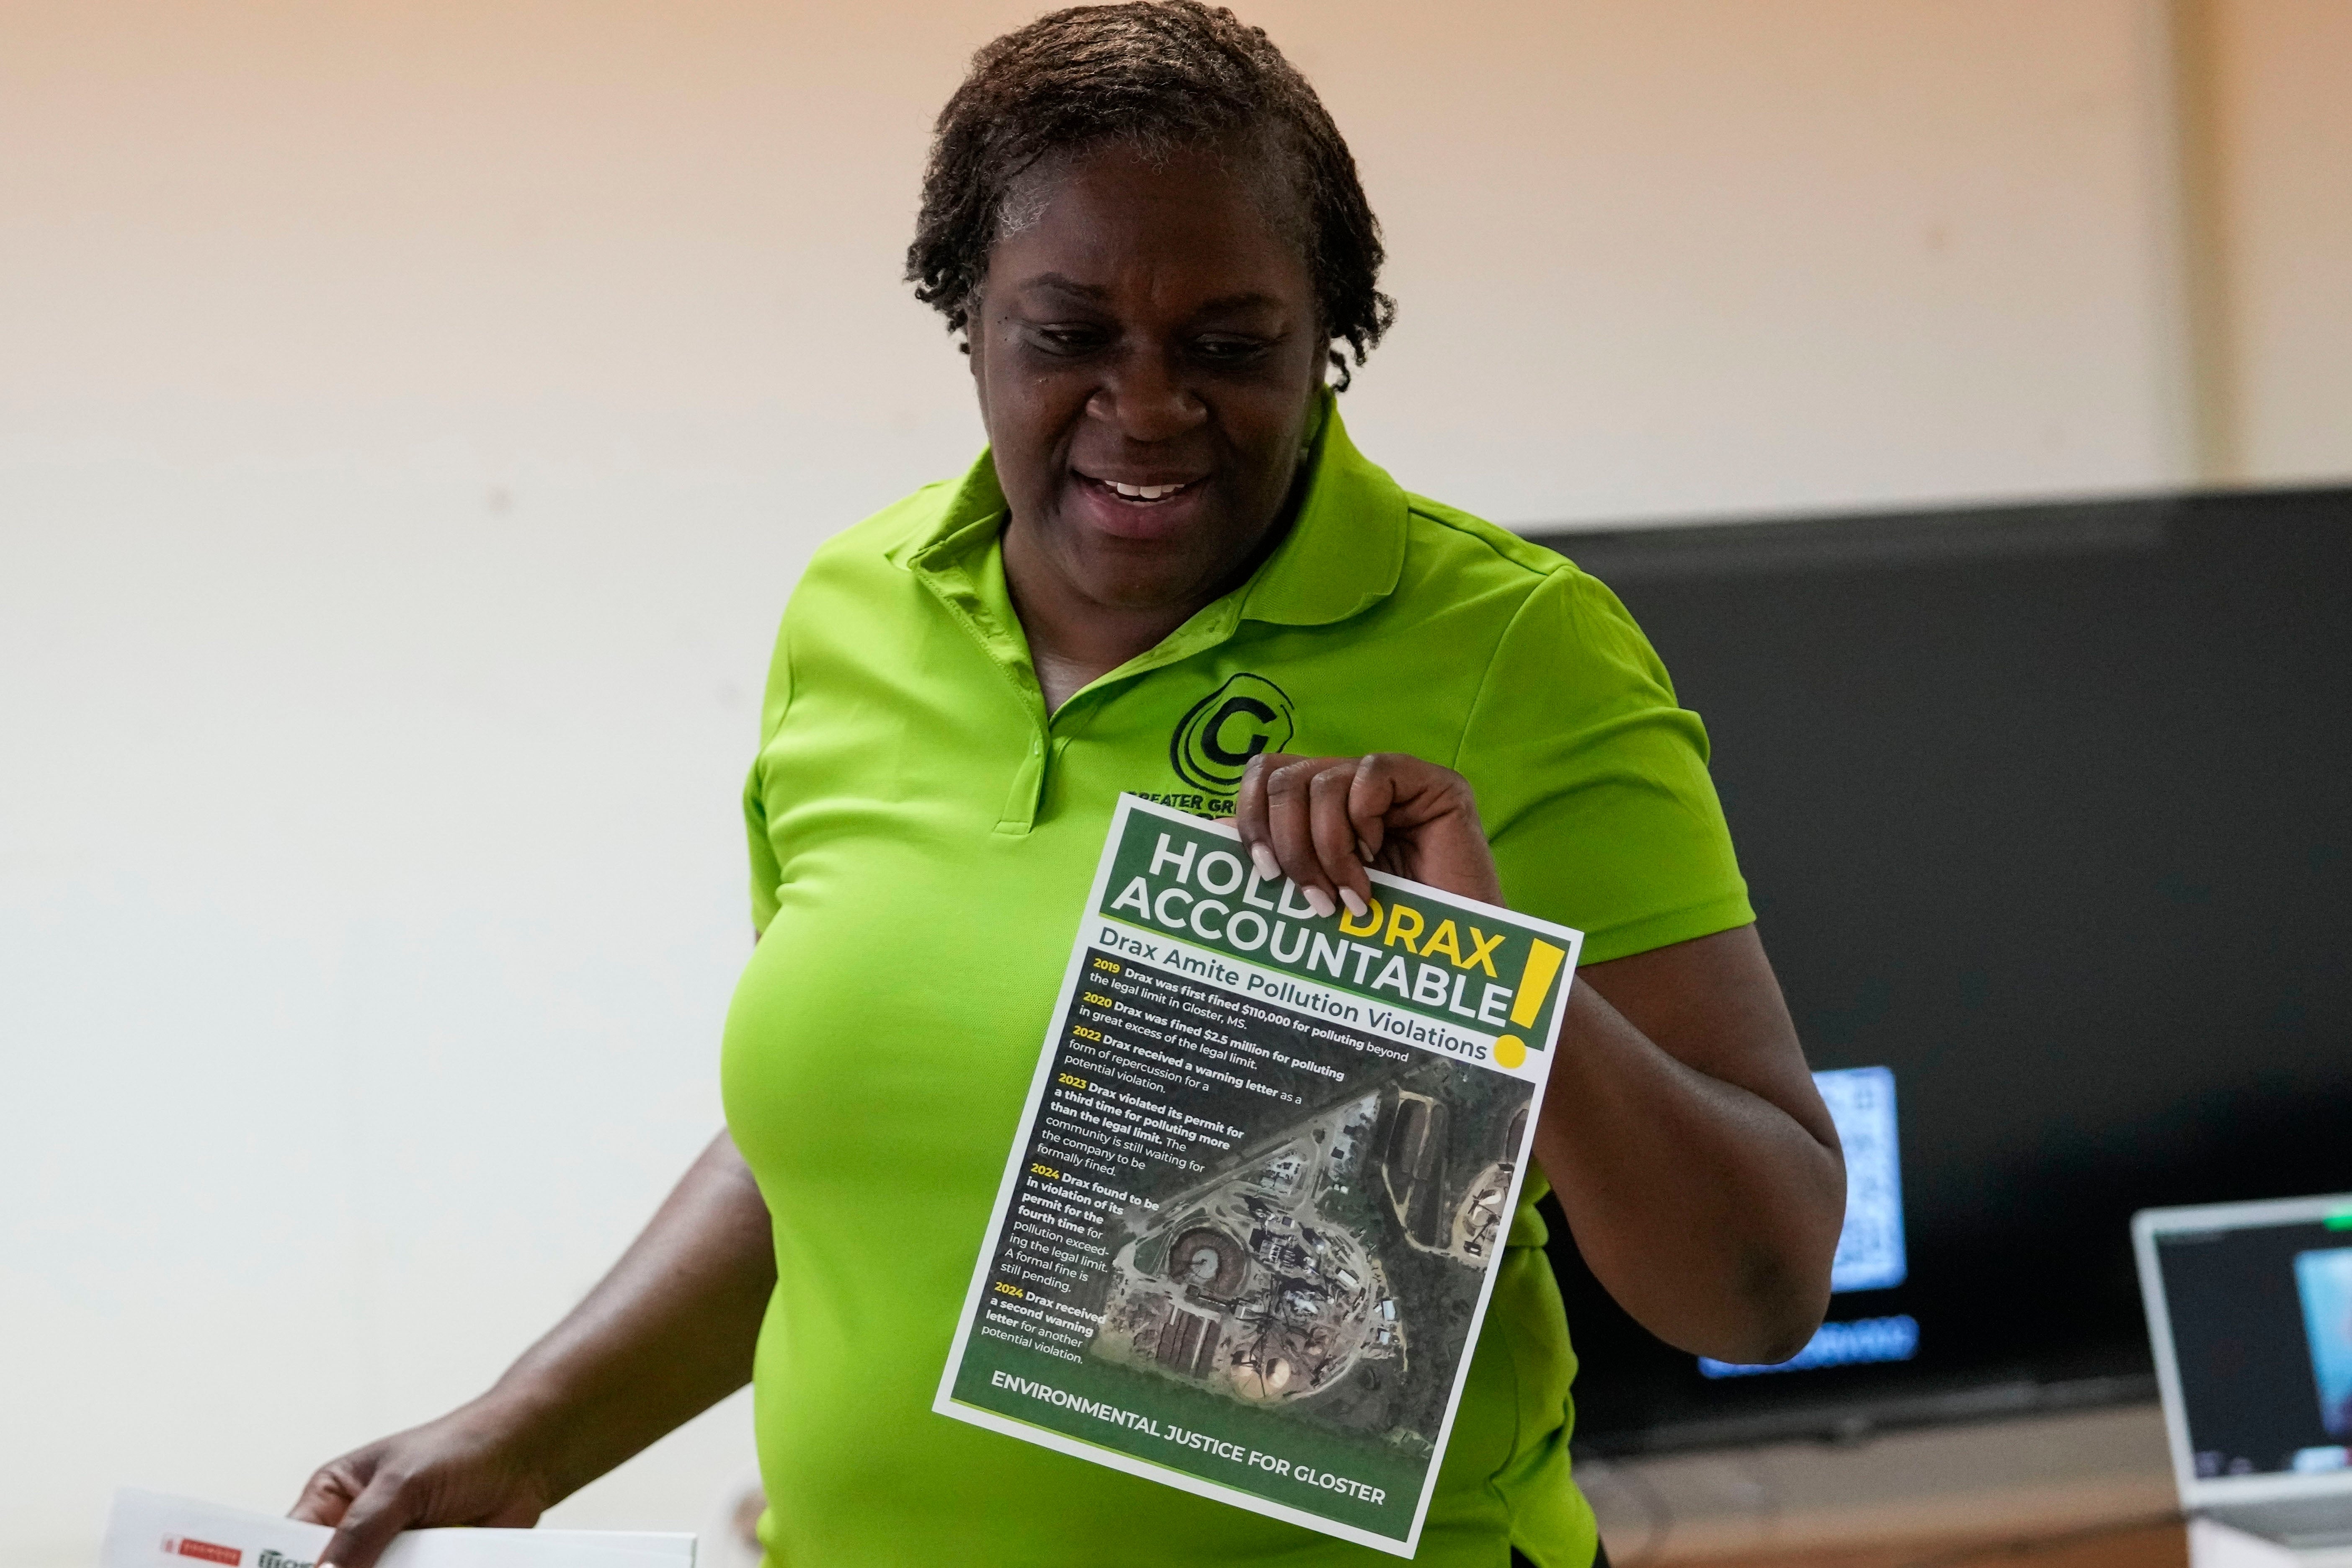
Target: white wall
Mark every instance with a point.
(412, 417)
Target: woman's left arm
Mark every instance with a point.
(1697, 1167)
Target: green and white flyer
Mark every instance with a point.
(1258, 1194)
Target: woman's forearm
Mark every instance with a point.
(1698, 1168)
(666, 1333)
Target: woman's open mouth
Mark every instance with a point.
(1142, 495)
(1159, 509)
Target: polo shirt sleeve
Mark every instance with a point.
(1592, 783)
(767, 871)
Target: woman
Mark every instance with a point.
(1150, 237)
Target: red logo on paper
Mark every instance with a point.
(205, 1550)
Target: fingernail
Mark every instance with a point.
(1263, 858)
(1355, 902)
(1320, 903)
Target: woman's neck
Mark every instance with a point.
(1074, 642)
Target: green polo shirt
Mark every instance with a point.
(911, 789)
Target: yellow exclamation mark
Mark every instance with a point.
(1535, 981)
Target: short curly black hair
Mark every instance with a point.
(1159, 74)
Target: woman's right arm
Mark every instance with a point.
(667, 1334)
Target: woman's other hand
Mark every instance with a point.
(468, 1468)
(667, 1334)
(1695, 1161)
(1321, 820)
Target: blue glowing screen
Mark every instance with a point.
(1870, 1248)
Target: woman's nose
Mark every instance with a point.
(1145, 401)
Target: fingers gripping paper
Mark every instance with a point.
(1256, 1199)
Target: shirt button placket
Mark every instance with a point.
(1028, 790)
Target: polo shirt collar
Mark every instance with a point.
(1345, 550)
(974, 515)
(1344, 554)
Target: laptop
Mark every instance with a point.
(2250, 1313)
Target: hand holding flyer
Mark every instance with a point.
(1263, 1177)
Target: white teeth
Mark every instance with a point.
(1144, 493)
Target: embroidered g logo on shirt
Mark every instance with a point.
(1215, 740)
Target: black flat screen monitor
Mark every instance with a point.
(2047, 816)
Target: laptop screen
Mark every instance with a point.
(2261, 1338)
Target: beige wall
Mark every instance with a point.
(412, 417)
(2282, 228)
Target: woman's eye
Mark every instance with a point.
(1068, 339)
(1228, 351)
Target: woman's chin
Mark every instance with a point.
(1141, 576)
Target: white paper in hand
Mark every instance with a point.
(150, 1529)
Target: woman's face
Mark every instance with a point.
(1147, 351)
